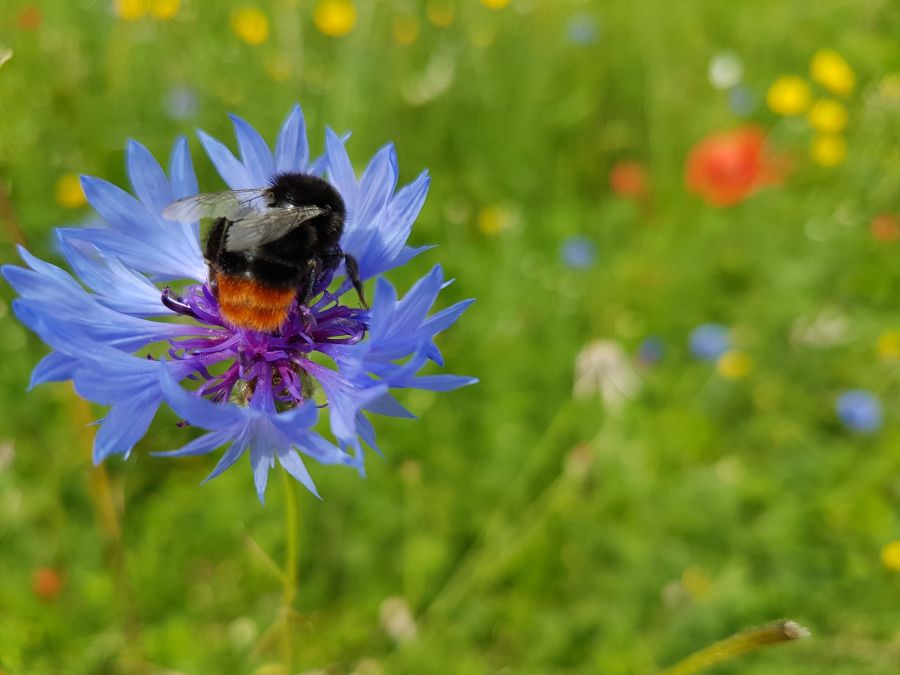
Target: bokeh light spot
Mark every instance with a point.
(406, 29)
(251, 25)
(832, 71)
(69, 193)
(164, 10)
(440, 13)
(334, 18)
(131, 10)
(789, 95)
(890, 556)
(828, 116)
(828, 150)
(888, 345)
(734, 364)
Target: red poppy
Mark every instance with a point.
(30, 18)
(46, 583)
(886, 227)
(628, 178)
(728, 167)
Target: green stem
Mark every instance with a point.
(106, 512)
(739, 643)
(289, 591)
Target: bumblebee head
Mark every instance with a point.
(301, 189)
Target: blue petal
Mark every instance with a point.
(201, 445)
(367, 432)
(290, 460)
(196, 410)
(146, 252)
(54, 367)
(292, 147)
(261, 460)
(445, 318)
(299, 418)
(383, 308)
(340, 170)
(181, 170)
(119, 287)
(387, 405)
(233, 454)
(117, 207)
(415, 304)
(147, 178)
(313, 445)
(376, 186)
(254, 151)
(344, 399)
(441, 382)
(232, 171)
(124, 426)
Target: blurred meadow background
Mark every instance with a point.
(681, 222)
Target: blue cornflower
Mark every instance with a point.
(859, 411)
(582, 28)
(252, 391)
(709, 341)
(651, 351)
(578, 252)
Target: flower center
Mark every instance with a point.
(269, 370)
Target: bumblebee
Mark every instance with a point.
(270, 246)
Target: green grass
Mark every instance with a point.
(707, 506)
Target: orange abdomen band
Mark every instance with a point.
(247, 304)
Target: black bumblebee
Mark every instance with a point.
(269, 246)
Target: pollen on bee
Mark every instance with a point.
(247, 304)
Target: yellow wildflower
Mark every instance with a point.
(440, 13)
(828, 116)
(890, 556)
(495, 4)
(406, 29)
(829, 69)
(494, 219)
(334, 18)
(250, 24)
(131, 10)
(734, 364)
(163, 10)
(278, 68)
(696, 583)
(789, 95)
(828, 150)
(69, 193)
(889, 345)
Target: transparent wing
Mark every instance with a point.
(257, 229)
(231, 204)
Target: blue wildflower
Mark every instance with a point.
(741, 101)
(578, 252)
(251, 391)
(651, 351)
(859, 411)
(582, 29)
(181, 103)
(709, 341)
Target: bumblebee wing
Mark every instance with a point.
(257, 229)
(231, 204)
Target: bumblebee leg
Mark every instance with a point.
(313, 267)
(353, 274)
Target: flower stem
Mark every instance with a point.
(739, 643)
(289, 577)
(106, 513)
